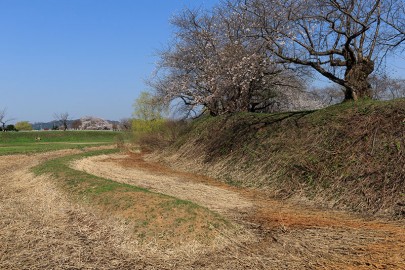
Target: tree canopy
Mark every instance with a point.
(343, 40)
(213, 63)
(147, 107)
(247, 55)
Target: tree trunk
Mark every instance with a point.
(356, 77)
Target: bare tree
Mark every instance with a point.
(396, 19)
(125, 124)
(62, 118)
(343, 40)
(213, 65)
(3, 119)
(386, 87)
(76, 124)
(329, 95)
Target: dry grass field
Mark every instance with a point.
(98, 208)
(43, 228)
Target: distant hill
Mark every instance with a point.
(51, 124)
(48, 125)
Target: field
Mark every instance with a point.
(99, 207)
(26, 142)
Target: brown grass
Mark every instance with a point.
(287, 236)
(348, 156)
(42, 228)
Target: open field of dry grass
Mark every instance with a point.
(43, 225)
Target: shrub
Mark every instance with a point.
(23, 125)
(10, 128)
(155, 134)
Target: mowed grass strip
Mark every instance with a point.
(153, 217)
(26, 142)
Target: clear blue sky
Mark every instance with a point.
(85, 57)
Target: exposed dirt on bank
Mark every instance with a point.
(287, 236)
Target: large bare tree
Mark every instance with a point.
(213, 64)
(344, 40)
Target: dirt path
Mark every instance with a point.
(214, 198)
(288, 236)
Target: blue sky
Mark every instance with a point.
(85, 57)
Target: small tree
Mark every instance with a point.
(148, 112)
(23, 125)
(148, 108)
(3, 119)
(62, 118)
(76, 124)
(125, 124)
(10, 128)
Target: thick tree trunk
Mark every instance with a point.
(356, 77)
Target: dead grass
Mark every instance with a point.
(214, 198)
(287, 236)
(41, 227)
(349, 156)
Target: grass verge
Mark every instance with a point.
(25, 142)
(153, 217)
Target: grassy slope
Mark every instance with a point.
(350, 155)
(24, 142)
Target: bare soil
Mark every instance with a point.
(40, 228)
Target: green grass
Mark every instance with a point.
(25, 142)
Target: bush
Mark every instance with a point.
(10, 128)
(23, 125)
(156, 134)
